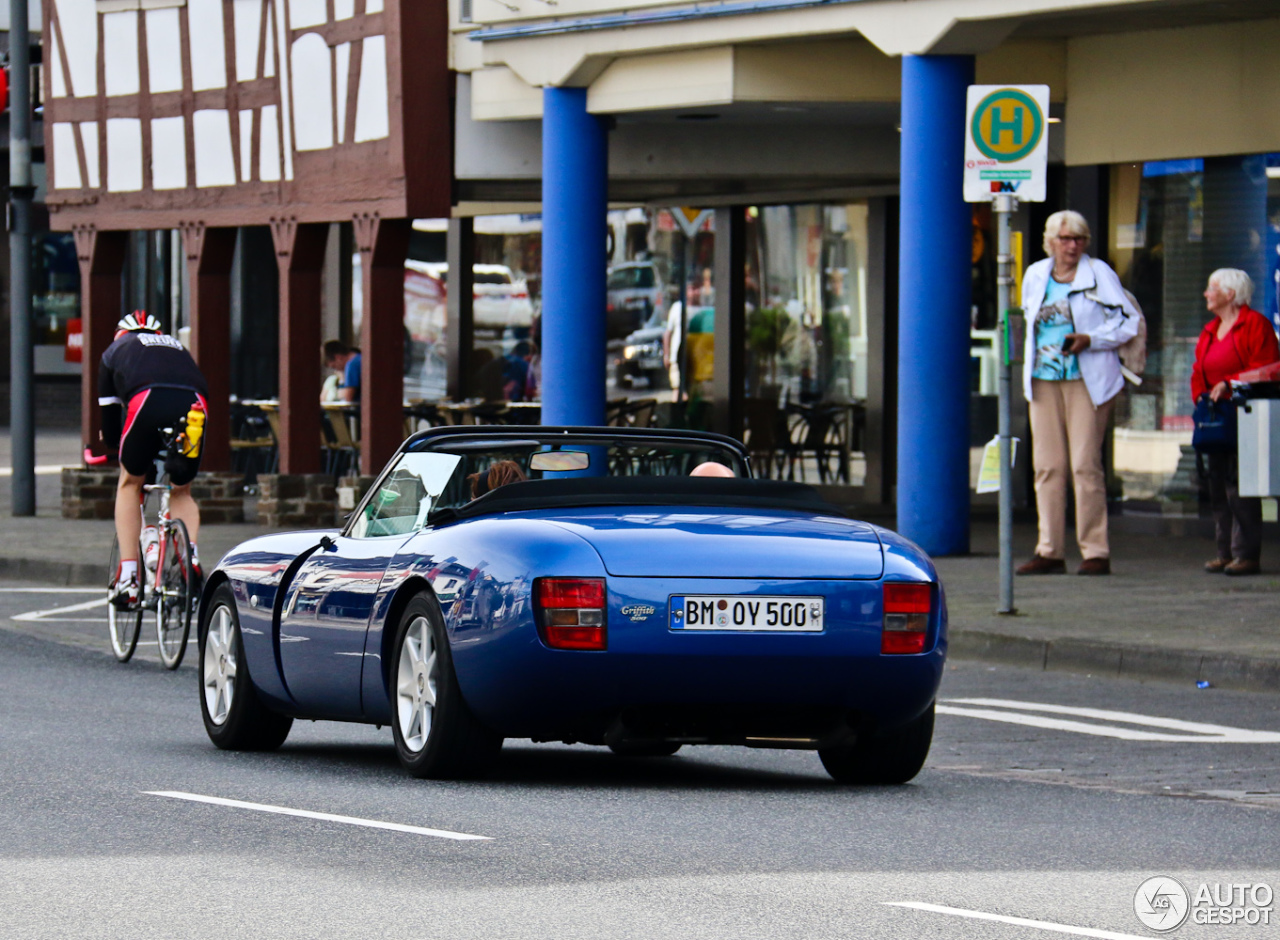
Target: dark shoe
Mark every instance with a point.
(1095, 566)
(1217, 566)
(1041, 565)
(1241, 567)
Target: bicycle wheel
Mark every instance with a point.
(124, 625)
(173, 589)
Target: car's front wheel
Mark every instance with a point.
(436, 735)
(234, 716)
(893, 757)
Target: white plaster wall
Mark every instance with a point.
(312, 94)
(246, 146)
(124, 155)
(79, 21)
(344, 9)
(208, 44)
(66, 167)
(164, 51)
(342, 56)
(89, 134)
(168, 153)
(55, 65)
(120, 41)
(215, 165)
(286, 105)
(372, 121)
(269, 152)
(373, 6)
(248, 18)
(306, 13)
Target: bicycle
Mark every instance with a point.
(169, 587)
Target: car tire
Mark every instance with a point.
(656, 749)
(889, 758)
(234, 716)
(436, 734)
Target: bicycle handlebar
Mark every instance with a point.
(95, 461)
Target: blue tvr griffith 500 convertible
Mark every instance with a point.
(620, 587)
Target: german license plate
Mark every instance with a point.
(748, 612)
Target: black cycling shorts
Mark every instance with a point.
(149, 412)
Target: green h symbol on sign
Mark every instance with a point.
(999, 125)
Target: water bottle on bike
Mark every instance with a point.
(151, 549)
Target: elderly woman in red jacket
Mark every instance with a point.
(1236, 340)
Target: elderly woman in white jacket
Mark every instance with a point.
(1077, 316)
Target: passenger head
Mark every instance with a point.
(712, 469)
(500, 474)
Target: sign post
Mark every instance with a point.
(1006, 151)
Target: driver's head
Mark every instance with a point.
(712, 469)
(500, 474)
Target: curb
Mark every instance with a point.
(59, 573)
(1118, 660)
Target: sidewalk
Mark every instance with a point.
(1157, 617)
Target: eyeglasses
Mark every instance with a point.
(1077, 239)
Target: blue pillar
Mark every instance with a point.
(574, 202)
(935, 248)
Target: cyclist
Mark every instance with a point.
(148, 381)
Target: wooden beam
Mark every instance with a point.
(209, 252)
(300, 256)
(101, 256)
(383, 244)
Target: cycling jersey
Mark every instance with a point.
(136, 363)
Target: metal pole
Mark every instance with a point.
(1004, 206)
(21, 382)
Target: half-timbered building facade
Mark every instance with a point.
(208, 115)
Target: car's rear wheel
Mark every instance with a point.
(234, 716)
(435, 732)
(644, 749)
(893, 757)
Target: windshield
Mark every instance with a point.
(404, 496)
(484, 465)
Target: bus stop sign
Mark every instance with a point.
(1006, 142)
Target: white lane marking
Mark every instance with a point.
(324, 817)
(47, 614)
(1193, 731)
(42, 469)
(50, 590)
(1016, 921)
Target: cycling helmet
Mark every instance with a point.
(138, 322)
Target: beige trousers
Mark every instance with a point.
(1067, 433)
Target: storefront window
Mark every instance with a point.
(55, 301)
(806, 302)
(506, 297)
(1172, 223)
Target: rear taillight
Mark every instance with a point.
(906, 617)
(570, 612)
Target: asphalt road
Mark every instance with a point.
(1048, 799)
